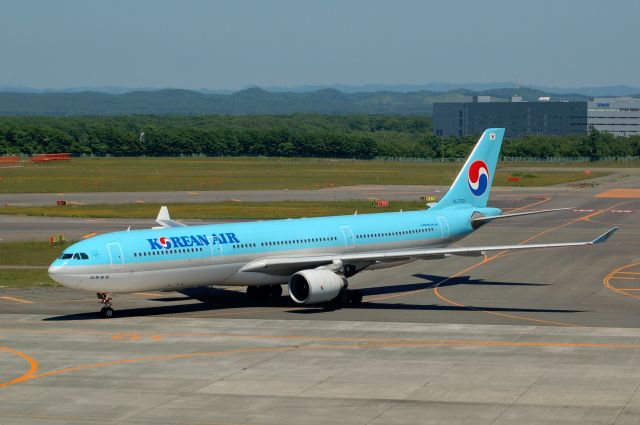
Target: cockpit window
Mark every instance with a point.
(75, 256)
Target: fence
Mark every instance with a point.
(548, 160)
(9, 160)
(557, 159)
(48, 157)
(40, 158)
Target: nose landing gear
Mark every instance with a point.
(105, 299)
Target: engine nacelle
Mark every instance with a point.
(315, 286)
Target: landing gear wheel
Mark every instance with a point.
(349, 297)
(344, 297)
(264, 292)
(105, 299)
(275, 291)
(252, 292)
(355, 297)
(106, 312)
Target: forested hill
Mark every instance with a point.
(253, 101)
(345, 136)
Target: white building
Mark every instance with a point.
(619, 116)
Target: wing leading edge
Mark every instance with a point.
(282, 265)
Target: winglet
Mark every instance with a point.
(604, 237)
(164, 219)
(163, 214)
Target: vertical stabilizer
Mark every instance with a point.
(473, 184)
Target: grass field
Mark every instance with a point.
(27, 254)
(32, 278)
(217, 210)
(199, 174)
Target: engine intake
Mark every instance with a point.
(315, 286)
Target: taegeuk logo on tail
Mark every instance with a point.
(478, 177)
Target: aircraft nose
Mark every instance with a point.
(56, 273)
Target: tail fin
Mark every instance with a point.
(473, 184)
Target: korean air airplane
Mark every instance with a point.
(314, 256)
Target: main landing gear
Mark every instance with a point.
(350, 297)
(105, 299)
(261, 292)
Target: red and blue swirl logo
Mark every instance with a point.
(165, 242)
(478, 177)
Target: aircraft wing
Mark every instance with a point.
(289, 265)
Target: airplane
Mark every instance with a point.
(314, 256)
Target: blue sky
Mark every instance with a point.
(235, 43)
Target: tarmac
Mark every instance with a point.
(551, 336)
(328, 194)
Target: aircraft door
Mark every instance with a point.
(216, 248)
(115, 254)
(444, 227)
(348, 236)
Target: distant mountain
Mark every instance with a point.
(604, 91)
(438, 87)
(398, 88)
(601, 91)
(251, 101)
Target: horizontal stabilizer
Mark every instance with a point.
(485, 219)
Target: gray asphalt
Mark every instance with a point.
(333, 194)
(231, 371)
(543, 287)
(551, 336)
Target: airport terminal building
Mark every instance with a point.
(518, 117)
(619, 116)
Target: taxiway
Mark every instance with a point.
(550, 336)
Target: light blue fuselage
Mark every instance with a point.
(181, 257)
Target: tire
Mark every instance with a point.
(252, 292)
(355, 297)
(107, 312)
(344, 298)
(275, 291)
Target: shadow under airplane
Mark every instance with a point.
(440, 282)
(211, 299)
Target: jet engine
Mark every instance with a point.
(315, 286)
